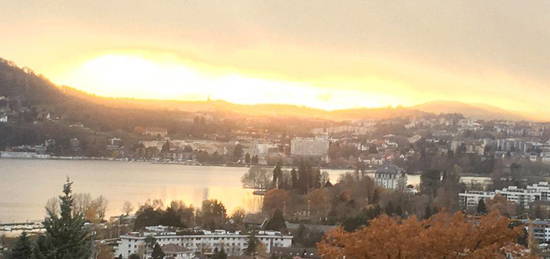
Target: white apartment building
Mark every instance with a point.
(470, 199)
(391, 177)
(309, 147)
(186, 245)
(522, 197)
(540, 231)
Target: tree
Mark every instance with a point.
(481, 208)
(294, 178)
(157, 252)
(22, 248)
(127, 208)
(237, 217)
(105, 252)
(66, 235)
(430, 181)
(275, 199)
(213, 214)
(252, 245)
(276, 222)
(277, 176)
(150, 241)
(247, 158)
(319, 203)
(254, 160)
(219, 254)
(502, 205)
(442, 236)
(237, 152)
(52, 205)
(134, 256)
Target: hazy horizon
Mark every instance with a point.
(318, 54)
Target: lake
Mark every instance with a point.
(26, 185)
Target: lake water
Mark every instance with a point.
(26, 185)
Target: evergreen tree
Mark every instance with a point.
(276, 222)
(252, 245)
(247, 158)
(254, 160)
(294, 177)
(428, 212)
(157, 252)
(389, 209)
(65, 236)
(219, 254)
(481, 207)
(277, 176)
(22, 248)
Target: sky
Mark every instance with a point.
(318, 53)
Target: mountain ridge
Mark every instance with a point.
(14, 81)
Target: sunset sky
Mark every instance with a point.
(318, 53)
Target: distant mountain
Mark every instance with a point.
(476, 111)
(31, 89)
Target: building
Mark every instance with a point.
(391, 177)
(155, 132)
(186, 244)
(470, 199)
(309, 147)
(522, 197)
(540, 231)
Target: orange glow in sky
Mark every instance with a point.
(145, 76)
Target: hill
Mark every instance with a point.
(26, 87)
(476, 111)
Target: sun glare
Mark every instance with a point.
(135, 76)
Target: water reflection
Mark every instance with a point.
(26, 185)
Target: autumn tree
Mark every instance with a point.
(212, 214)
(275, 199)
(502, 205)
(319, 203)
(444, 235)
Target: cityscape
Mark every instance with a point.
(274, 129)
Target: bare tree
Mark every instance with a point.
(127, 208)
(82, 203)
(52, 205)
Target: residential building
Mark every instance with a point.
(540, 231)
(522, 197)
(391, 177)
(184, 245)
(470, 199)
(155, 132)
(309, 147)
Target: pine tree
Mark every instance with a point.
(157, 252)
(22, 248)
(65, 236)
(252, 245)
(276, 222)
(481, 207)
(277, 176)
(219, 254)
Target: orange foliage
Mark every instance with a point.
(275, 199)
(442, 236)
